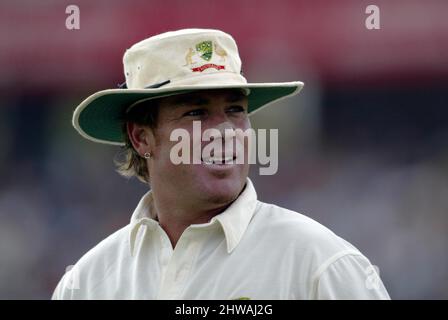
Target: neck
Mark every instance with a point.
(175, 220)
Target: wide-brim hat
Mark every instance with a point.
(168, 64)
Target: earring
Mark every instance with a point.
(147, 155)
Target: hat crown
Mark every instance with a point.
(173, 63)
(183, 57)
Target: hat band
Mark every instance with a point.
(212, 79)
(152, 86)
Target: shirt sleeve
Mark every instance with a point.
(64, 289)
(349, 277)
(57, 294)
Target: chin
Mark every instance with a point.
(223, 191)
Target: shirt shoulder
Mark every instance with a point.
(94, 267)
(331, 267)
(348, 277)
(295, 228)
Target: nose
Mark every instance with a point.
(223, 126)
(224, 139)
(218, 120)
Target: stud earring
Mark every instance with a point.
(147, 155)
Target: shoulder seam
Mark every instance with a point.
(324, 266)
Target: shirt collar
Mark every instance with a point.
(234, 220)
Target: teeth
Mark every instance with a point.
(218, 160)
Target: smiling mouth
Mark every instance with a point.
(219, 160)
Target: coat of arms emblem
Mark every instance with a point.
(205, 48)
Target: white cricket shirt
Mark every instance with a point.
(252, 249)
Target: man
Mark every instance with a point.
(201, 233)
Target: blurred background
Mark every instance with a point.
(362, 149)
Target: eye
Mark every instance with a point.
(236, 109)
(194, 113)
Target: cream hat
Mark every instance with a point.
(172, 63)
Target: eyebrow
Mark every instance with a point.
(190, 99)
(235, 97)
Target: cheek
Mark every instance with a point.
(165, 148)
(243, 123)
(244, 140)
(162, 145)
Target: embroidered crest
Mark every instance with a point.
(207, 66)
(220, 51)
(205, 48)
(189, 56)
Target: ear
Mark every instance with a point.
(140, 137)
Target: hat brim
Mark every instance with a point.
(99, 117)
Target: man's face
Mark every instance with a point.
(206, 184)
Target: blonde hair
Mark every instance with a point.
(128, 161)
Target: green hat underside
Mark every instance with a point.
(101, 119)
